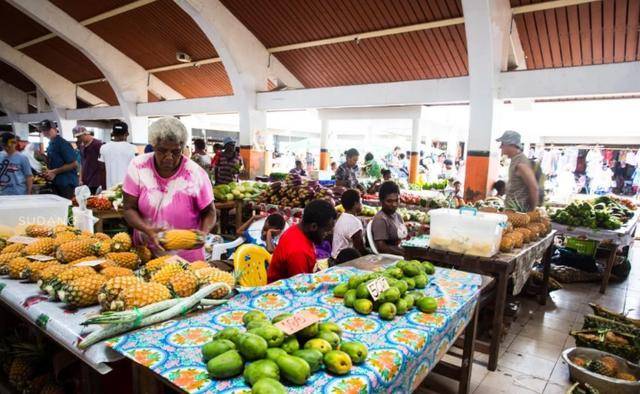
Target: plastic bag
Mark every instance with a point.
(83, 218)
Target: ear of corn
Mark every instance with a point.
(181, 239)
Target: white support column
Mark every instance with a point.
(325, 159)
(13, 99)
(415, 148)
(41, 101)
(21, 130)
(127, 78)
(487, 30)
(138, 130)
(65, 126)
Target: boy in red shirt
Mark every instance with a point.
(296, 253)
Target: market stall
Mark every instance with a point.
(502, 266)
(401, 353)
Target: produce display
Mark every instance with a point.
(523, 228)
(239, 191)
(412, 199)
(398, 299)
(606, 366)
(265, 356)
(81, 269)
(602, 213)
(410, 215)
(295, 192)
(438, 185)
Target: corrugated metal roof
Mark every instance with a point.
(15, 78)
(16, 27)
(436, 53)
(81, 10)
(599, 32)
(204, 81)
(102, 90)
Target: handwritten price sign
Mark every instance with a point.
(297, 322)
(40, 257)
(20, 239)
(90, 263)
(377, 286)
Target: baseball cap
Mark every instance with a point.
(510, 137)
(45, 125)
(120, 128)
(228, 140)
(79, 130)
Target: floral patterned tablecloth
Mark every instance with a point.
(400, 351)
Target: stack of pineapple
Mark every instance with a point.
(128, 277)
(523, 228)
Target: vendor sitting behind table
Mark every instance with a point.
(347, 172)
(271, 230)
(166, 190)
(388, 228)
(375, 187)
(298, 170)
(348, 231)
(295, 252)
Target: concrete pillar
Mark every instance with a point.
(138, 130)
(415, 147)
(324, 145)
(252, 132)
(21, 130)
(65, 127)
(486, 26)
(41, 101)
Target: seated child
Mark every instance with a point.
(263, 230)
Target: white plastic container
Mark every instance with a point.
(18, 212)
(466, 231)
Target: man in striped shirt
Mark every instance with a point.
(229, 163)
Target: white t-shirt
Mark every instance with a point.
(116, 156)
(345, 227)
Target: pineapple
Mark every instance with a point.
(83, 291)
(78, 249)
(113, 272)
(65, 277)
(102, 237)
(33, 270)
(198, 264)
(16, 266)
(36, 384)
(49, 273)
(82, 260)
(13, 248)
(154, 265)
(601, 368)
(181, 239)
(214, 275)
(103, 247)
(164, 274)
(121, 242)
(507, 243)
(43, 246)
(64, 237)
(580, 361)
(144, 253)
(3, 243)
(112, 288)
(527, 235)
(37, 231)
(61, 228)
(52, 388)
(141, 294)
(124, 259)
(20, 372)
(5, 259)
(517, 218)
(183, 284)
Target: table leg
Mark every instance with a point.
(239, 212)
(546, 273)
(498, 315)
(607, 271)
(467, 353)
(98, 227)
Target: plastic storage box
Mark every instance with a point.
(466, 231)
(18, 212)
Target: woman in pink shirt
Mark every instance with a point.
(165, 190)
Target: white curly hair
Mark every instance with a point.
(168, 129)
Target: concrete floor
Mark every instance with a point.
(531, 359)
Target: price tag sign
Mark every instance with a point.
(90, 263)
(297, 322)
(377, 286)
(40, 257)
(20, 239)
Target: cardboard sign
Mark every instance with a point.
(90, 263)
(40, 257)
(297, 322)
(20, 239)
(377, 286)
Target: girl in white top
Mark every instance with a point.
(348, 230)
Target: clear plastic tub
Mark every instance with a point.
(466, 231)
(18, 212)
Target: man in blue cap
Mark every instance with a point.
(61, 161)
(522, 187)
(229, 164)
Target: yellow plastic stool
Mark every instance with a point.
(251, 262)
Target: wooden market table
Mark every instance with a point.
(610, 240)
(502, 267)
(103, 215)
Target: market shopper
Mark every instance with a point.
(371, 167)
(229, 163)
(200, 154)
(298, 169)
(166, 190)
(93, 172)
(295, 253)
(348, 231)
(15, 171)
(522, 187)
(347, 172)
(117, 154)
(388, 228)
(61, 161)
